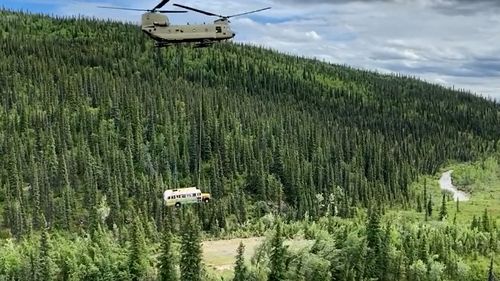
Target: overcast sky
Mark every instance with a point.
(450, 42)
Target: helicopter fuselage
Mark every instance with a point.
(158, 27)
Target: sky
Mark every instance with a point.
(455, 43)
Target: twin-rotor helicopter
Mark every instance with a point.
(157, 26)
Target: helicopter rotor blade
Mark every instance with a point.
(143, 10)
(160, 5)
(120, 8)
(242, 14)
(199, 11)
(170, 12)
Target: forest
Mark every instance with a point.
(95, 123)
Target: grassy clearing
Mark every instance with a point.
(220, 255)
(480, 179)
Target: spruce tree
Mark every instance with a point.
(168, 270)
(240, 269)
(383, 259)
(190, 263)
(425, 200)
(44, 260)
(429, 207)
(485, 221)
(474, 224)
(443, 212)
(138, 255)
(373, 241)
(277, 258)
(419, 204)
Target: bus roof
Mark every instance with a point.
(183, 190)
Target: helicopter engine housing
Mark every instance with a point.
(154, 19)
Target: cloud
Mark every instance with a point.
(450, 7)
(414, 39)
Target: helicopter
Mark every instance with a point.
(158, 27)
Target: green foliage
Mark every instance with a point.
(190, 262)
(484, 191)
(277, 256)
(443, 212)
(240, 269)
(44, 261)
(138, 257)
(95, 124)
(430, 207)
(373, 243)
(167, 264)
(491, 275)
(60, 257)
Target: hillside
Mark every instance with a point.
(92, 109)
(95, 123)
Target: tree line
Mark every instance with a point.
(372, 246)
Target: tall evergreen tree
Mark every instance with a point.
(45, 261)
(474, 223)
(277, 258)
(443, 212)
(486, 221)
(168, 271)
(373, 242)
(240, 269)
(138, 255)
(429, 207)
(190, 263)
(383, 259)
(425, 200)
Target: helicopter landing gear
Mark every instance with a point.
(204, 43)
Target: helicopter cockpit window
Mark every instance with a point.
(218, 29)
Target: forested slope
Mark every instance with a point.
(95, 123)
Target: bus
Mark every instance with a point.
(191, 195)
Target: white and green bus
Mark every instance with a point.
(191, 195)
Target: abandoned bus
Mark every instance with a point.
(177, 197)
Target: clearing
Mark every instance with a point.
(220, 255)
